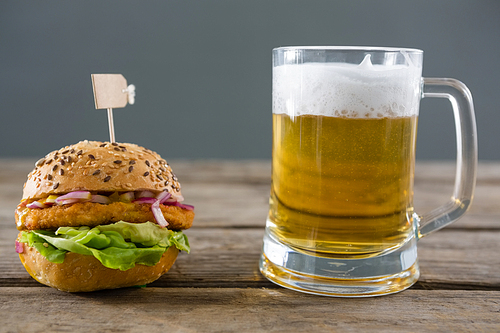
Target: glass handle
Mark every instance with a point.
(465, 179)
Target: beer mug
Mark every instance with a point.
(341, 220)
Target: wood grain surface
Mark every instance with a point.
(218, 287)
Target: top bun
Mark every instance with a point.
(100, 167)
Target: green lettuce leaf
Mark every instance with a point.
(119, 246)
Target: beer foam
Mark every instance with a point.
(346, 90)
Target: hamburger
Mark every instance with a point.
(101, 215)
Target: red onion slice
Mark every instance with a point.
(70, 201)
(178, 197)
(19, 247)
(35, 204)
(145, 194)
(163, 196)
(75, 195)
(102, 199)
(160, 219)
(184, 206)
(145, 200)
(178, 204)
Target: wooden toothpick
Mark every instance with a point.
(111, 126)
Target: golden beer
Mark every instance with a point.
(341, 219)
(342, 186)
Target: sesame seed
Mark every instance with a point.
(117, 162)
(48, 162)
(54, 168)
(159, 177)
(162, 169)
(62, 162)
(114, 144)
(92, 157)
(61, 172)
(55, 186)
(96, 172)
(65, 152)
(70, 159)
(102, 145)
(40, 162)
(147, 163)
(80, 152)
(146, 174)
(49, 177)
(117, 149)
(166, 183)
(131, 162)
(107, 179)
(130, 168)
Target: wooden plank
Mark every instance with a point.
(228, 257)
(244, 205)
(218, 287)
(245, 195)
(484, 212)
(488, 172)
(456, 259)
(15, 170)
(245, 310)
(228, 193)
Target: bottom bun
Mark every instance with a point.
(81, 273)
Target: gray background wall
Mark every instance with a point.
(203, 68)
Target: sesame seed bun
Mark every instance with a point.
(106, 169)
(101, 167)
(81, 273)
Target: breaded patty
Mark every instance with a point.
(94, 214)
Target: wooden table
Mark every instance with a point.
(218, 286)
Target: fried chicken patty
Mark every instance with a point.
(94, 214)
